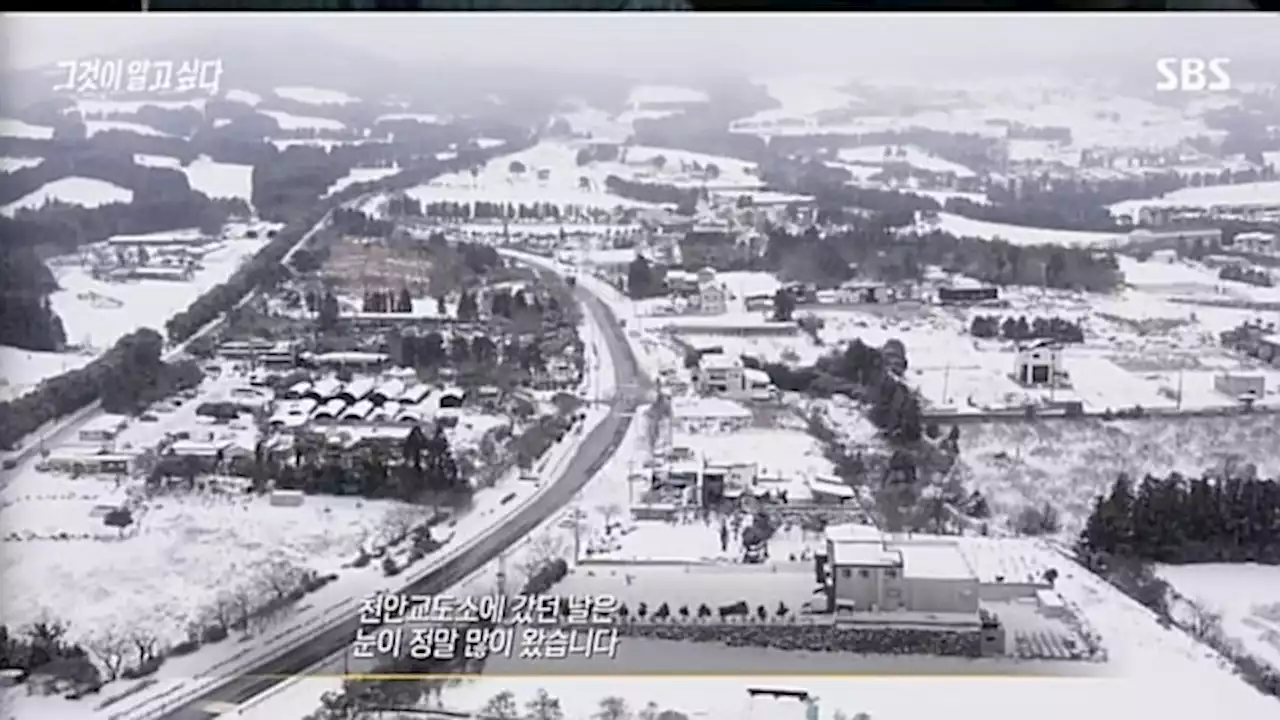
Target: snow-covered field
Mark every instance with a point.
(96, 313)
(563, 185)
(19, 129)
(425, 118)
(13, 164)
(315, 96)
(1068, 464)
(303, 122)
(89, 106)
(1258, 193)
(243, 96)
(93, 127)
(86, 192)
(215, 179)
(322, 143)
(1021, 235)
(1245, 595)
(918, 158)
(644, 95)
(680, 168)
(24, 369)
(359, 175)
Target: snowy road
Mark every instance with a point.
(595, 449)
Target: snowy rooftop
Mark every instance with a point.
(864, 554)
(935, 561)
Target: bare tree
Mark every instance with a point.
(613, 708)
(282, 577)
(609, 512)
(244, 601)
(1202, 623)
(145, 644)
(544, 707)
(223, 611)
(501, 707)
(108, 647)
(542, 549)
(649, 712)
(401, 519)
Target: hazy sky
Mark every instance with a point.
(609, 41)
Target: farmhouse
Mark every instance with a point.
(965, 295)
(918, 578)
(103, 428)
(1259, 243)
(1039, 364)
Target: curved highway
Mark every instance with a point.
(593, 451)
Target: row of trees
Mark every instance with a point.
(875, 250)
(432, 350)
(1019, 329)
(1175, 519)
(126, 378)
(685, 199)
(1252, 276)
(422, 467)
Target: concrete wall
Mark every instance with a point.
(941, 595)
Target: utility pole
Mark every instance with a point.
(502, 574)
(577, 533)
(946, 382)
(1179, 389)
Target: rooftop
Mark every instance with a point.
(861, 553)
(935, 561)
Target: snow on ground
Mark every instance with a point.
(243, 96)
(942, 196)
(220, 180)
(802, 100)
(93, 127)
(1245, 595)
(157, 161)
(87, 192)
(1042, 151)
(1068, 464)
(496, 183)
(644, 95)
(96, 313)
(680, 168)
(880, 155)
(13, 164)
(360, 175)
(424, 118)
(1150, 669)
(1258, 193)
(1021, 235)
(18, 129)
(315, 96)
(215, 179)
(1094, 114)
(89, 107)
(322, 143)
(302, 122)
(25, 369)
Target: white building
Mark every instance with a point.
(713, 299)
(1039, 365)
(1261, 243)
